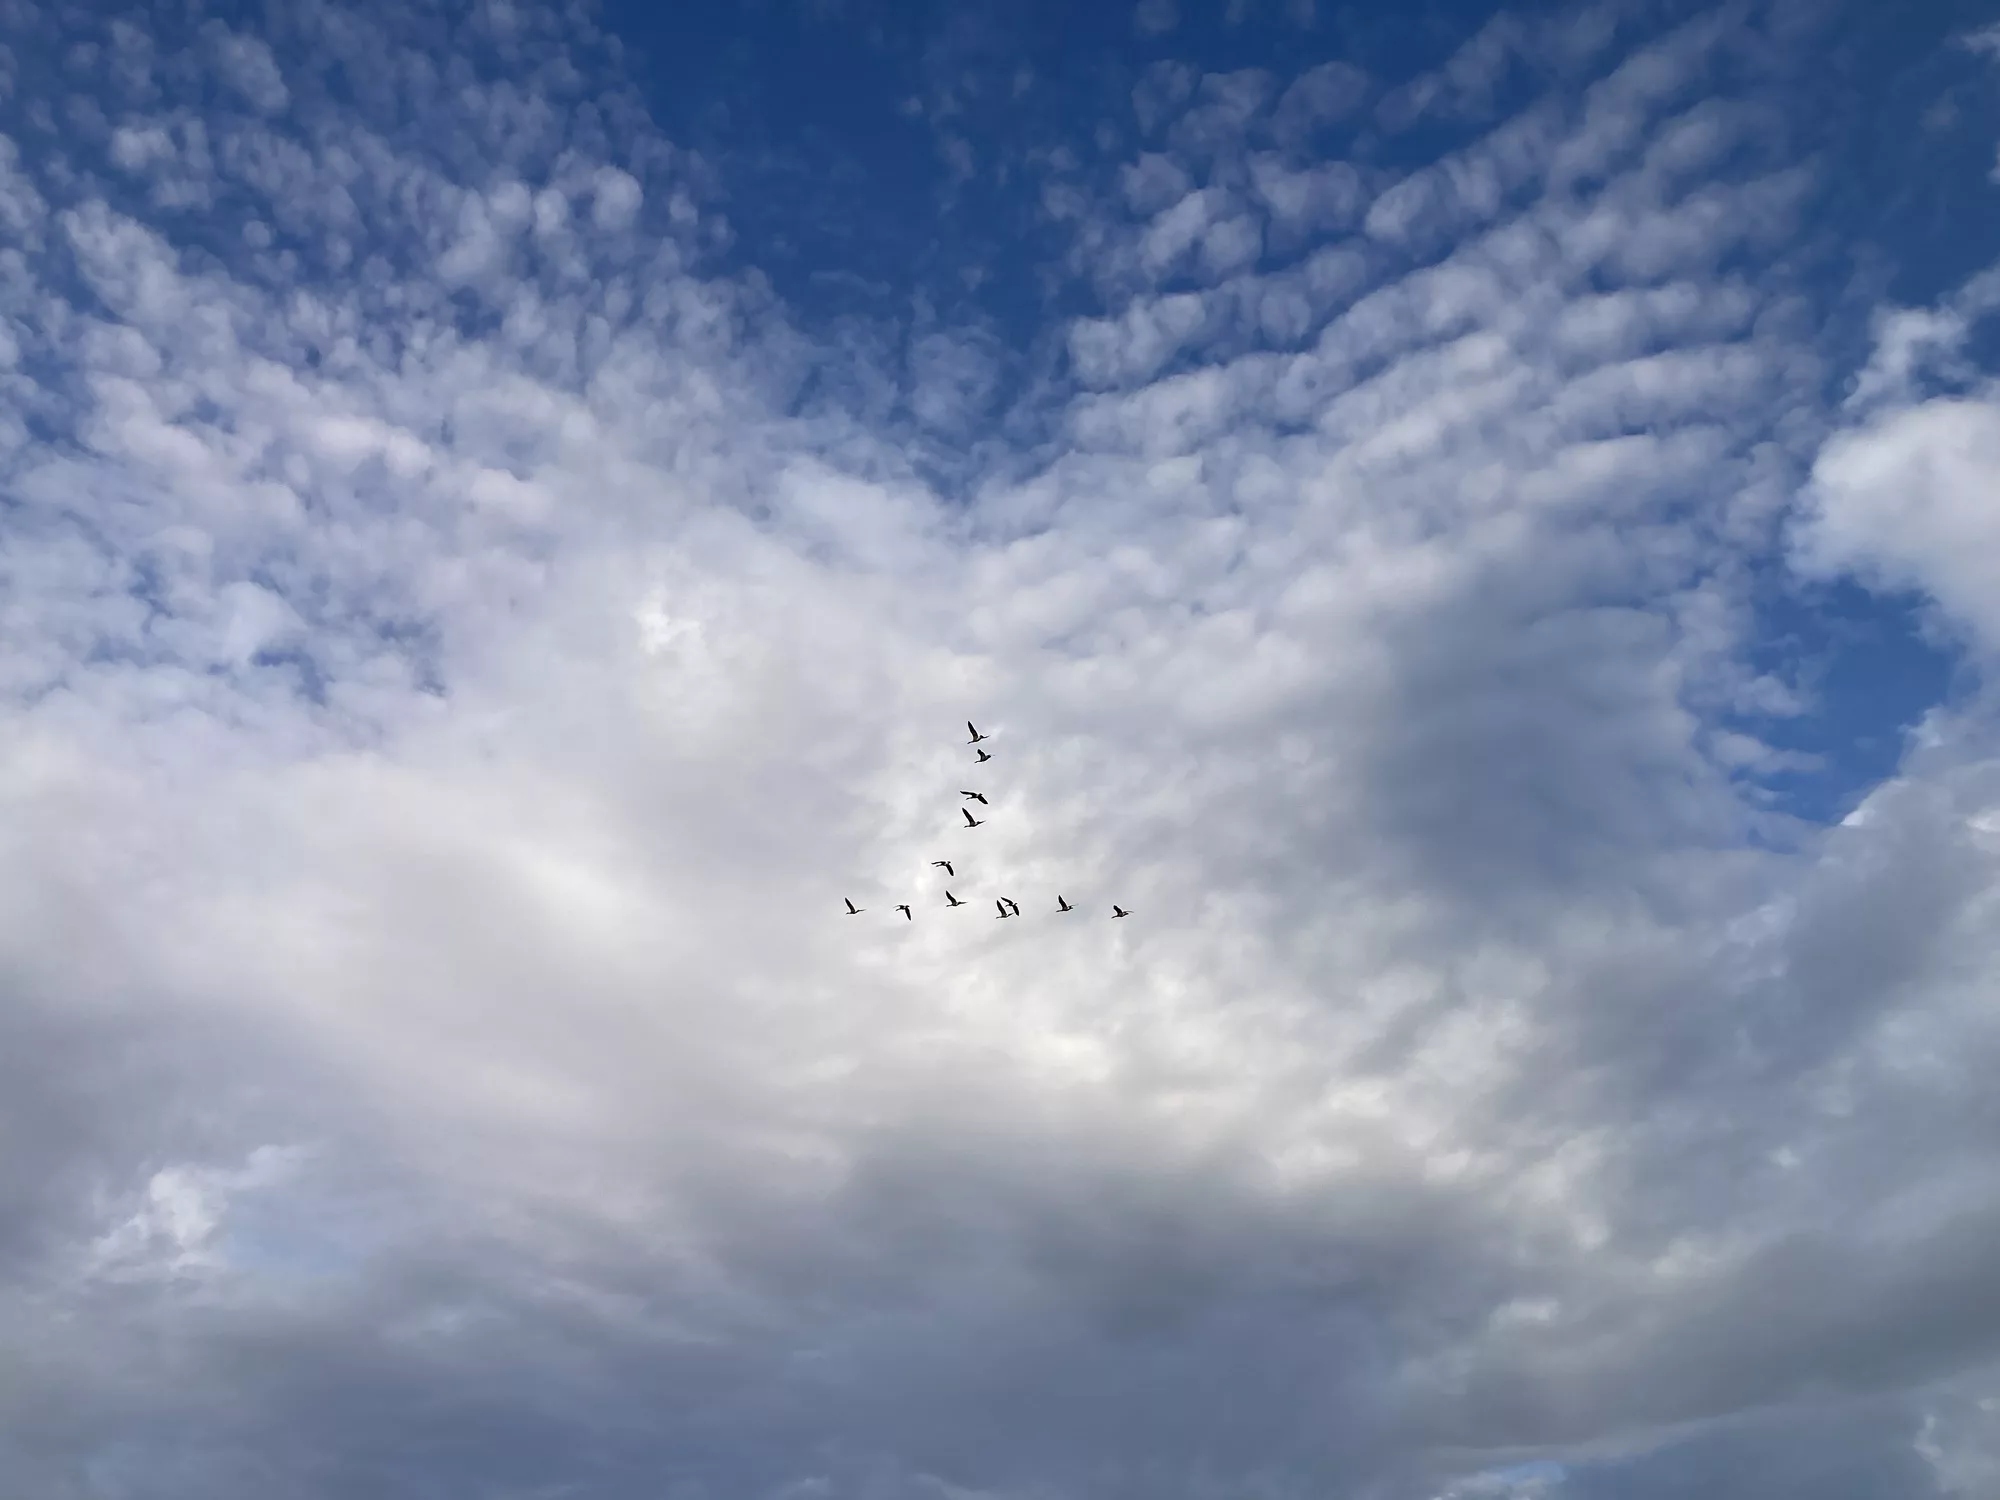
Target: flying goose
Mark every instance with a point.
(942, 864)
(1119, 911)
(1004, 913)
(983, 756)
(970, 821)
(905, 910)
(951, 900)
(979, 797)
(1062, 905)
(852, 909)
(976, 735)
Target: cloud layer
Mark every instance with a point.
(464, 637)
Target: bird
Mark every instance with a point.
(1119, 911)
(979, 797)
(983, 756)
(1004, 913)
(1012, 905)
(905, 910)
(1062, 905)
(852, 909)
(942, 864)
(976, 735)
(970, 821)
(951, 900)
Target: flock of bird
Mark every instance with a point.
(1007, 905)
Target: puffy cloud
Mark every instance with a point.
(459, 655)
(1900, 495)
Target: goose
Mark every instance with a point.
(1004, 913)
(1062, 905)
(976, 735)
(983, 756)
(979, 797)
(942, 864)
(852, 909)
(905, 910)
(951, 900)
(1119, 911)
(970, 821)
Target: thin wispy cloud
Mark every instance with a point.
(479, 596)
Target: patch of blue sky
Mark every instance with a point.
(889, 168)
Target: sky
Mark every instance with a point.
(1475, 525)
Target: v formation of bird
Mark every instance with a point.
(1005, 906)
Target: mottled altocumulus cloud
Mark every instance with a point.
(456, 659)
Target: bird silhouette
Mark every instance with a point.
(951, 900)
(1062, 905)
(983, 756)
(942, 864)
(1119, 911)
(976, 735)
(970, 821)
(852, 909)
(979, 797)
(1004, 913)
(905, 910)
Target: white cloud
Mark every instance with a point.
(1155, 17)
(616, 202)
(1900, 496)
(1907, 499)
(1960, 1440)
(245, 63)
(451, 681)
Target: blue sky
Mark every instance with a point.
(1476, 526)
(837, 126)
